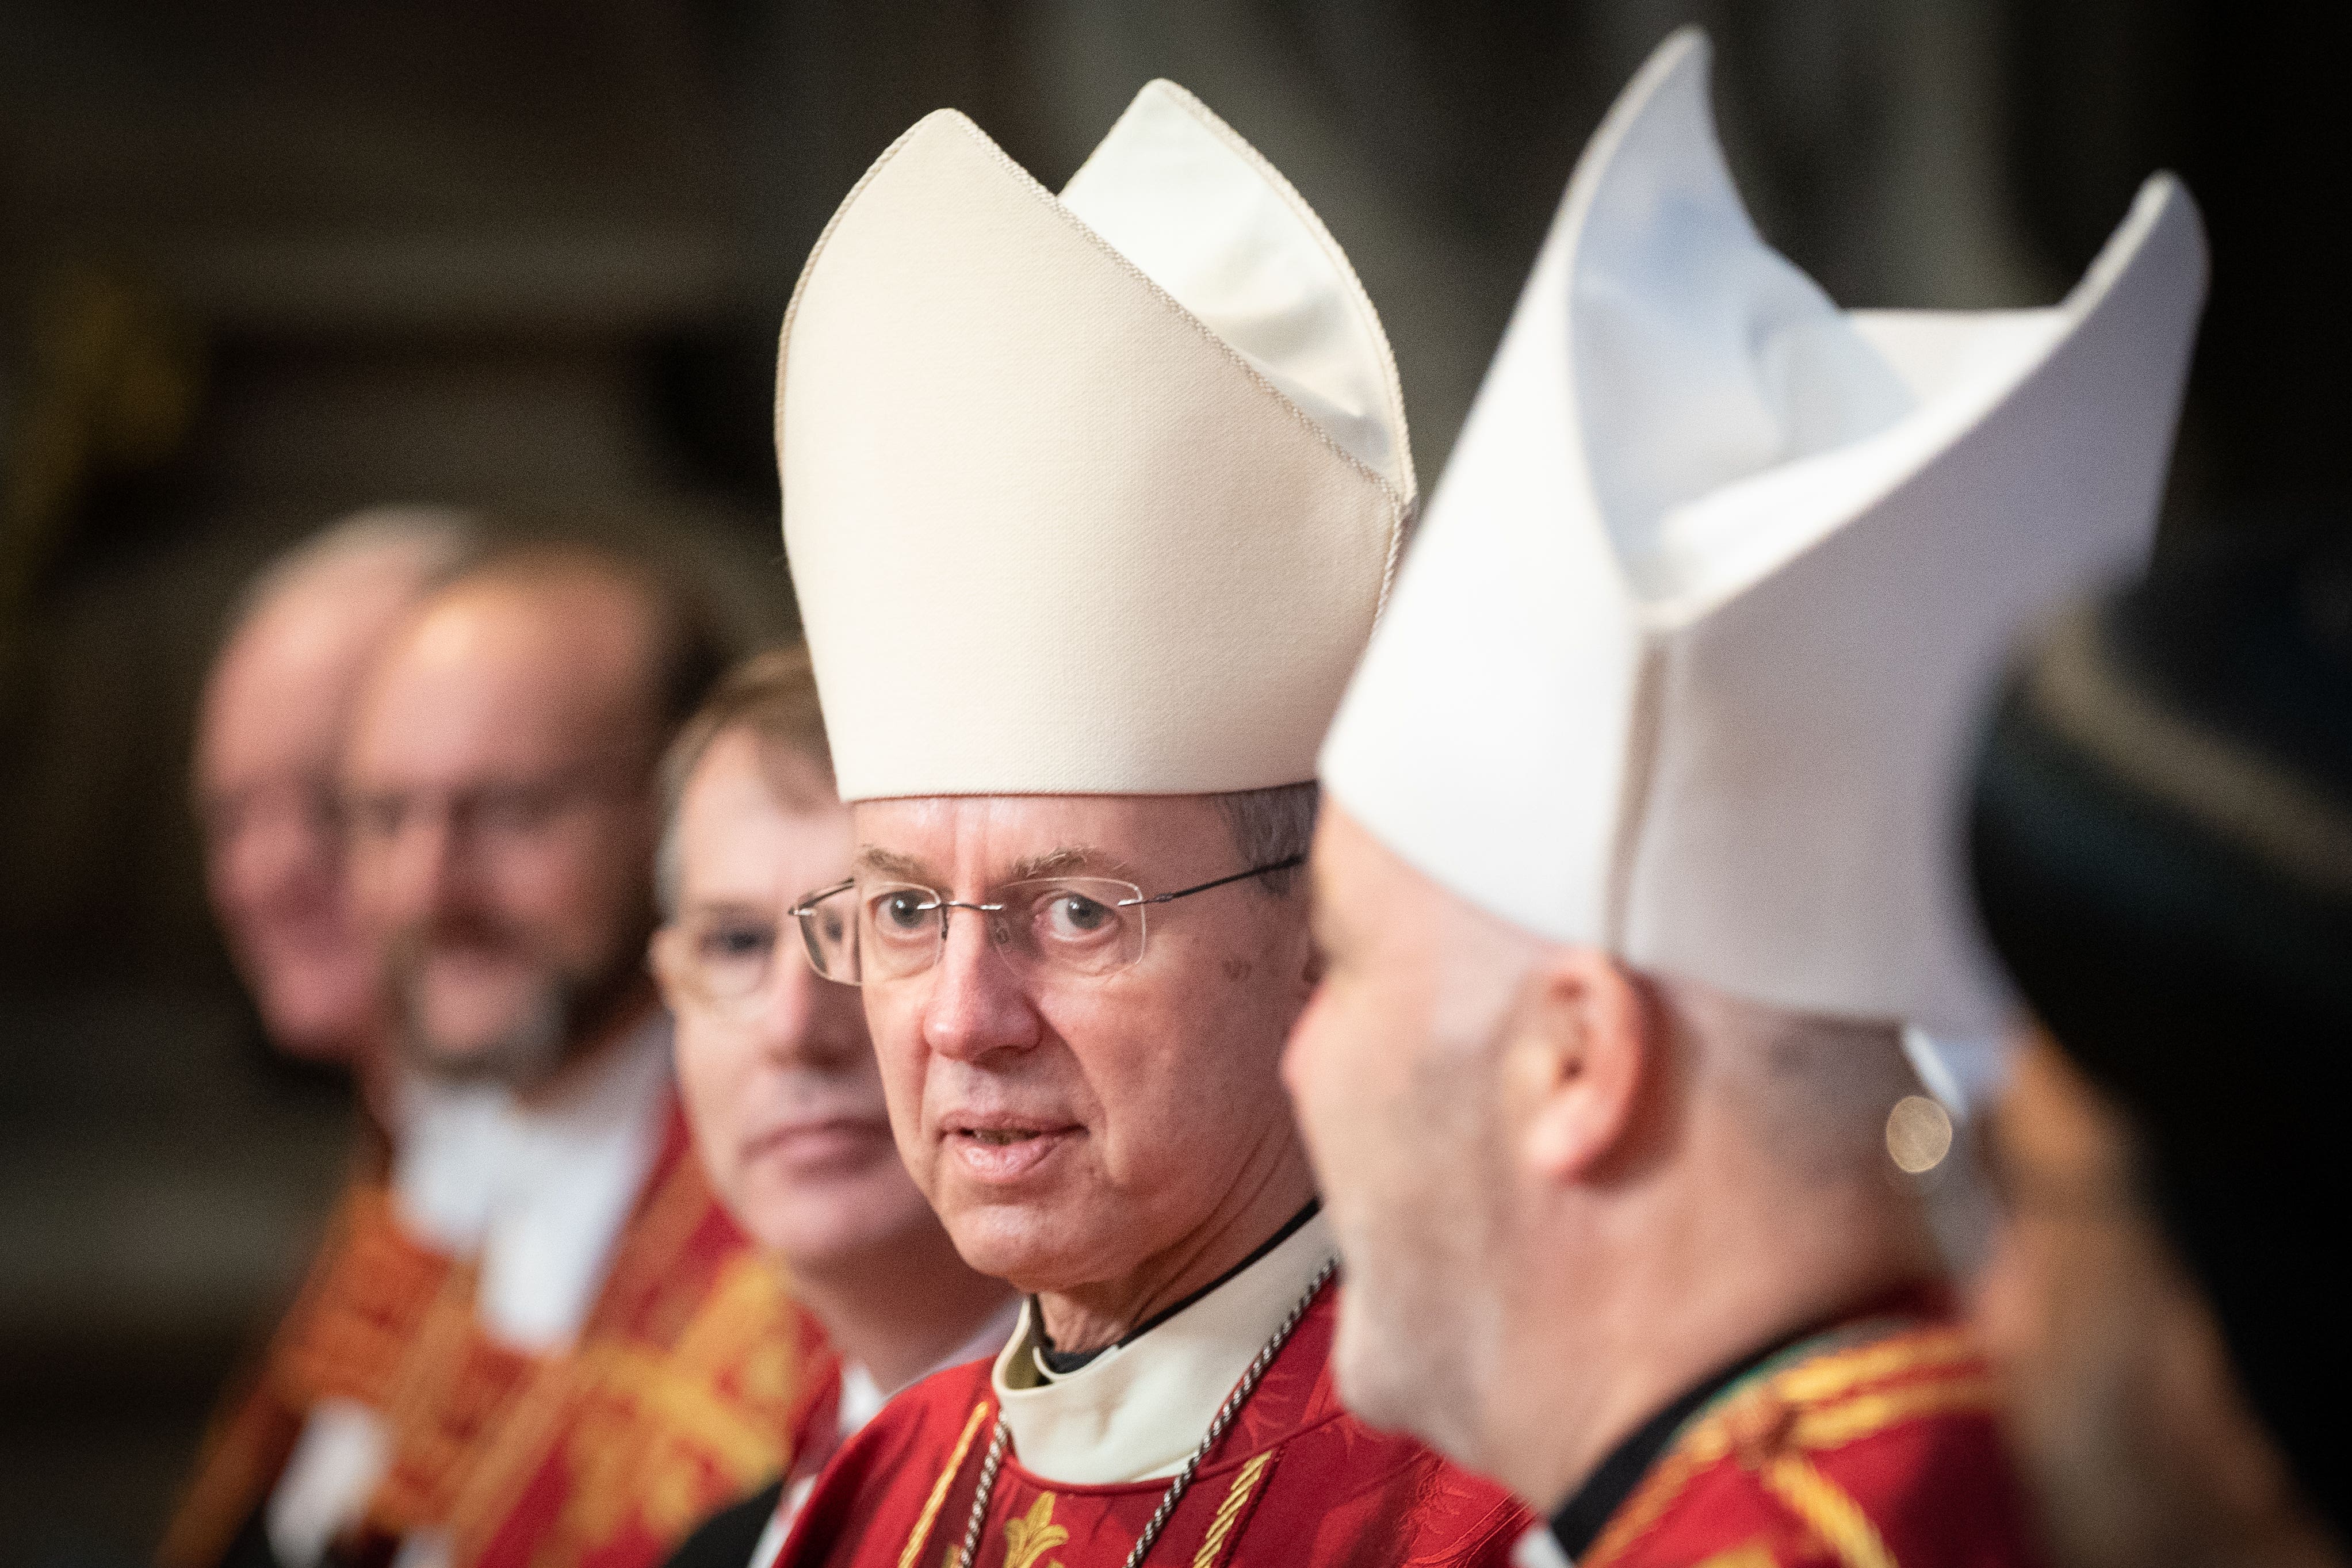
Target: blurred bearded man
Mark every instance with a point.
(1090, 501)
(498, 782)
(1637, 867)
(269, 734)
(781, 1084)
(2162, 849)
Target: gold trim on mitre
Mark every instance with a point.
(1051, 532)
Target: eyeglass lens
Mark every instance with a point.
(724, 959)
(1070, 925)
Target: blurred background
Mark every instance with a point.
(263, 262)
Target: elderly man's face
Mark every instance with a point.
(1399, 1082)
(502, 820)
(2120, 1399)
(267, 743)
(781, 1085)
(1072, 1128)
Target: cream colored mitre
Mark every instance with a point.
(1090, 494)
(1683, 662)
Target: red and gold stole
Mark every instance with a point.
(367, 1295)
(687, 1390)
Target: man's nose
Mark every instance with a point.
(422, 866)
(977, 1003)
(808, 1017)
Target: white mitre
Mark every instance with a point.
(1683, 662)
(1090, 494)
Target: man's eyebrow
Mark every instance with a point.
(1070, 859)
(888, 863)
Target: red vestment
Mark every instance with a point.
(1874, 1445)
(1295, 1481)
(689, 1385)
(365, 1300)
(695, 1381)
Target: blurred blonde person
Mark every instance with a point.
(269, 730)
(781, 1084)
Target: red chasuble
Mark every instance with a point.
(1874, 1445)
(1296, 1480)
(366, 1298)
(694, 1380)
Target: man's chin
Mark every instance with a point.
(1393, 1380)
(1022, 1243)
(518, 1058)
(817, 1237)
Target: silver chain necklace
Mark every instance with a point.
(1179, 1483)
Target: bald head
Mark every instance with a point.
(1565, 1188)
(500, 771)
(270, 726)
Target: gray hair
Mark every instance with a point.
(1270, 826)
(1816, 1089)
(434, 543)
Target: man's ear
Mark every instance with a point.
(1582, 1052)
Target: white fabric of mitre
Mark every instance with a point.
(1681, 662)
(1052, 529)
(1200, 210)
(1137, 1410)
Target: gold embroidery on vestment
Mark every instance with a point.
(1236, 1497)
(939, 1491)
(1830, 1509)
(1747, 1554)
(1821, 1402)
(1026, 1540)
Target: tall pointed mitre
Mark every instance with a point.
(1090, 494)
(1682, 663)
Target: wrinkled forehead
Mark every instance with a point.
(965, 843)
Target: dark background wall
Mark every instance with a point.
(262, 261)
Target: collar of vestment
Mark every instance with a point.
(1137, 1410)
(1590, 1508)
(536, 1191)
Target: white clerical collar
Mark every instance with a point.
(539, 1191)
(1138, 1409)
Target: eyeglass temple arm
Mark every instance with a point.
(809, 902)
(1237, 877)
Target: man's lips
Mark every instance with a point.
(1002, 1148)
(811, 1144)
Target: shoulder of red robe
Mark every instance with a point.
(1683, 663)
(1882, 1451)
(1315, 1485)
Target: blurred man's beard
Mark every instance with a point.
(566, 1010)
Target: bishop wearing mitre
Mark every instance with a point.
(1091, 502)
